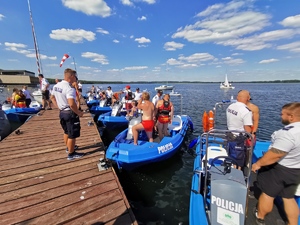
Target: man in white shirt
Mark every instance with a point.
(64, 97)
(157, 97)
(239, 116)
(137, 94)
(44, 86)
(28, 96)
(109, 93)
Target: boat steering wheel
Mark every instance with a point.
(227, 159)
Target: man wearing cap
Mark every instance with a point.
(157, 97)
(109, 93)
(137, 94)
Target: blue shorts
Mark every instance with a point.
(70, 123)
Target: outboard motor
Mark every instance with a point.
(227, 209)
(133, 121)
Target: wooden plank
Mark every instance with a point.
(38, 185)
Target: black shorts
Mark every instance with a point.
(70, 123)
(277, 180)
(45, 95)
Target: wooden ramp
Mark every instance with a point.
(38, 185)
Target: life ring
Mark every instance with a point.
(211, 120)
(205, 122)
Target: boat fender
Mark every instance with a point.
(211, 120)
(205, 122)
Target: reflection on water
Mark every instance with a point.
(159, 193)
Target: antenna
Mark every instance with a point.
(37, 53)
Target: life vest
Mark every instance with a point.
(164, 111)
(20, 101)
(129, 96)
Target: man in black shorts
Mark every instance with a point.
(279, 168)
(44, 86)
(64, 97)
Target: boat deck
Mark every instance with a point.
(38, 185)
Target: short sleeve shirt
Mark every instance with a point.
(287, 139)
(155, 99)
(44, 83)
(238, 115)
(62, 92)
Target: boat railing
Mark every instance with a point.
(220, 136)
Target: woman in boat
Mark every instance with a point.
(133, 111)
(20, 99)
(13, 102)
(164, 110)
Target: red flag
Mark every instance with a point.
(63, 59)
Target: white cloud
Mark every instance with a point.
(291, 21)
(149, 1)
(87, 68)
(172, 46)
(102, 31)
(127, 2)
(142, 18)
(1, 17)
(292, 47)
(20, 48)
(142, 40)
(135, 68)
(116, 41)
(75, 36)
(89, 7)
(95, 57)
(268, 61)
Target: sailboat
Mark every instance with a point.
(226, 84)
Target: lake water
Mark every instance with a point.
(159, 193)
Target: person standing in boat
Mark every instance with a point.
(148, 116)
(157, 97)
(164, 110)
(44, 86)
(64, 97)
(27, 95)
(109, 93)
(137, 94)
(239, 116)
(279, 168)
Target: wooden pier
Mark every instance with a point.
(38, 185)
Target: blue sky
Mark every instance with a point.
(154, 40)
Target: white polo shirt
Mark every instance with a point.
(62, 92)
(138, 95)
(287, 139)
(238, 115)
(109, 93)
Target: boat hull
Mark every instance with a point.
(164, 87)
(5, 127)
(129, 156)
(20, 115)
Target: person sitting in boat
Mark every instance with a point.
(164, 110)
(20, 99)
(148, 116)
(134, 110)
(12, 99)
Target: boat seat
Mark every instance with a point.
(176, 123)
(132, 122)
(213, 152)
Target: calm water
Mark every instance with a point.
(159, 193)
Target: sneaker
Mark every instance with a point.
(75, 155)
(258, 220)
(75, 148)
